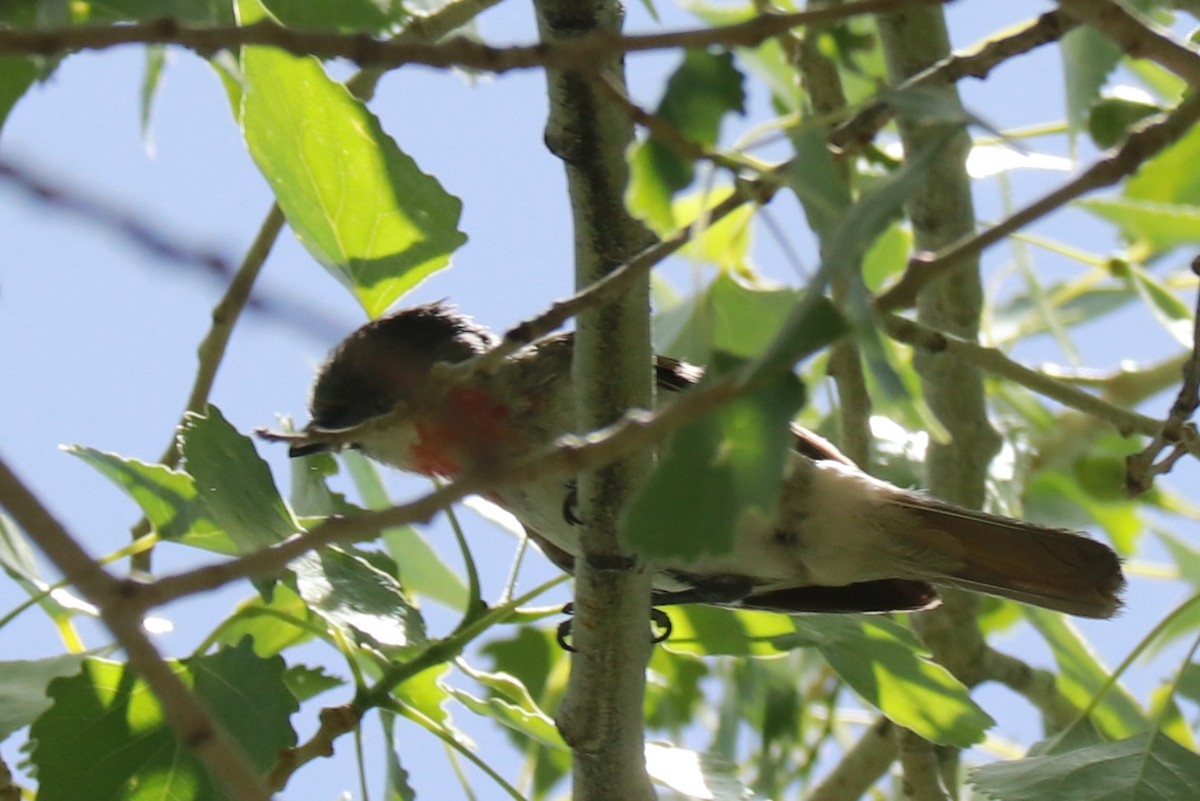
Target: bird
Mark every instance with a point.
(841, 541)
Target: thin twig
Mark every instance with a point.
(995, 362)
(1177, 433)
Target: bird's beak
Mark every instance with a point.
(308, 448)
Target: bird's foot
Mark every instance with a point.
(660, 620)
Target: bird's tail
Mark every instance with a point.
(1039, 565)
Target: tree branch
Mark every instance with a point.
(1137, 36)
(580, 54)
(601, 716)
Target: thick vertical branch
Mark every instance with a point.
(942, 213)
(601, 716)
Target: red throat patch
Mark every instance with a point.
(469, 428)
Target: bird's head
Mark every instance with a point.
(384, 368)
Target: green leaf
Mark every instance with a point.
(725, 244)
(1169, 177)
(718, 473)
(1081, 676)
(311, 496)
(1088, 57)
(509, 704)
(818, 183)
(156, 60)
(732, 316)
(281, 622)
(398, 788)
(353, 595)
(701, 91)
(1151, 225)
(1141, 768)
(308, 682)
(528, 655)
(106, 732)
(234, 482)
(359, 204)
(18, 561)
(694, 774)
(887, 257)
(185, 12)
(23, 688)
(1111, 118)
(888, 667)
(168, 498)
(711, 631)
(17, 75)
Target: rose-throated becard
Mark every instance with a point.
(842, 541)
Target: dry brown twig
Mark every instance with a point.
(1177, 433)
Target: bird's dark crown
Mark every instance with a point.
(388, 360)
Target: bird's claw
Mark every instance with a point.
(660, 620)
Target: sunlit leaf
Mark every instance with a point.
(509, 704)
(168, 498)
(1088, 56)
(888, 667)
(1081, 676)
(106, 732)
(350, 593)
(358, 203)
(694, 774)
(234, 482)
(308, 682)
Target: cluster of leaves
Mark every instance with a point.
(367, 212)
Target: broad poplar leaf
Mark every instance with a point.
(234, 482)
(889, 668)
(398, 788)
(308, 682)
(359, 204)
(23, 688)
(731, 316)
(1088, 57)
(274, 625)
(106, 732)
(1152, 224)
(353, 595)
(168, 498)
(1147, 767)
(712, 631)
(721, 471)
(701, 91)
